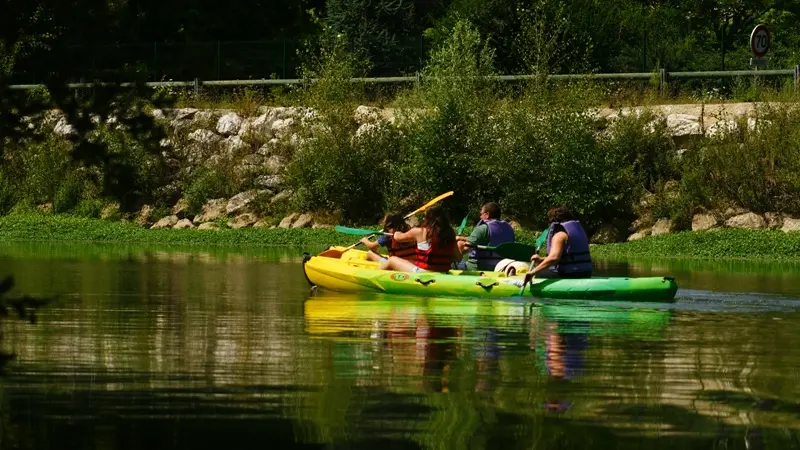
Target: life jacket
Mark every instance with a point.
(405, 250)
(575, 261)
(434, 256)
(500, 232)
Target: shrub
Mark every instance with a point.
(69, 193)
(207, 184)
(88, 208)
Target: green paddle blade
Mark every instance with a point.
(461, 227)
(356, 231)
(513, 250)
(542, 238)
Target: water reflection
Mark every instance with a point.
(219, 348)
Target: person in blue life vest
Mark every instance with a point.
(567, 249)
(392, 222)
(490, 230)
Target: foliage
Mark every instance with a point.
(726, 243)
(206, 184)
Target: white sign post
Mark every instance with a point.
(760, 40)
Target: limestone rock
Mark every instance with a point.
(211, 211)
(166, 222)
(684, 125)
(516, 226)
(183, 224)
(259, 127)
(790, 224)
(366, 130)
(110, 211)
(235, 146)
(46, 208)
(701, 222)
(639, 235)
(239, 202)
(261, 224)
(204, 137)
(282, 127)
(366, 114)
(751, 221)
(208, 226)
(281, 196)
(143, 217)
(274, 164)
(287, 221)
(183, 113)
(730, 212)
(774, 220)
(304, 221)
(181, 209)
(269, 181)
(63, 128)
(662, 226)
(321, 225)
(243, 221)
(229, 124)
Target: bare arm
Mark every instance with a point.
(374, 246)
(411, 235)
(556, 248)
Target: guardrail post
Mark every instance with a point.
(419, 79)
(196, 87)
(662, 80)
(797, 76)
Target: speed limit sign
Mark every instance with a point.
(760, 40)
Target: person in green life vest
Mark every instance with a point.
(490, 230)
(567, 249)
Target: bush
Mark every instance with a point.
(89, 208)
(69, 194)
(8, 195)
(206, 185)
(752, 165)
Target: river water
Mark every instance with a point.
(228, 348)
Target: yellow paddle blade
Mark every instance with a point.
(429, 204)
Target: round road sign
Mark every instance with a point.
(760, 40)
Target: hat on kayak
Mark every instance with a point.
(511, 267)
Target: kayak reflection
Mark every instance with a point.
(445, 344)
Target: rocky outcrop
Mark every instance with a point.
(212, 210)
(751, 221)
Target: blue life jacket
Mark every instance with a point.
(499, 232)
(575, 261)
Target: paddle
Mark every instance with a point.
(539, 242)
(332, 253)
(461, 227)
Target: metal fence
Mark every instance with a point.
(664, 77)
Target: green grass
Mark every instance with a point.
(717, 244)
(64, 228)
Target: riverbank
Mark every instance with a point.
(714, 244)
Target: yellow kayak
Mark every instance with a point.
(352, 272)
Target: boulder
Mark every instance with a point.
(229, 124)
(208, 226)
(110, 211)
(282, 127)
(235, 146)
(735, 211)
(181, 209)
(662, 226)
(321, 225)
(46, 208)
(280, 196)
(183, 113)
(274, 164)
(750, 221)
(774, 220)
(412, 221)
(287, 221)
(639, 235)
(366, 114)
(684, 125)
(143, 217)
(239, 202)
(304, 221)
(212, 210)
(366, 130)
(63, 127)
(256, 128)
(183, 224)
(166, 222)
(243, 221)
(268, 181)
(516, 226)
(204, 137)
(261, 224)
(701, 222)
(790, 224)
(268, 148)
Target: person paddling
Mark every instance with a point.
(392, 223)
(567, 249)
(490, 230)
(436, 247)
